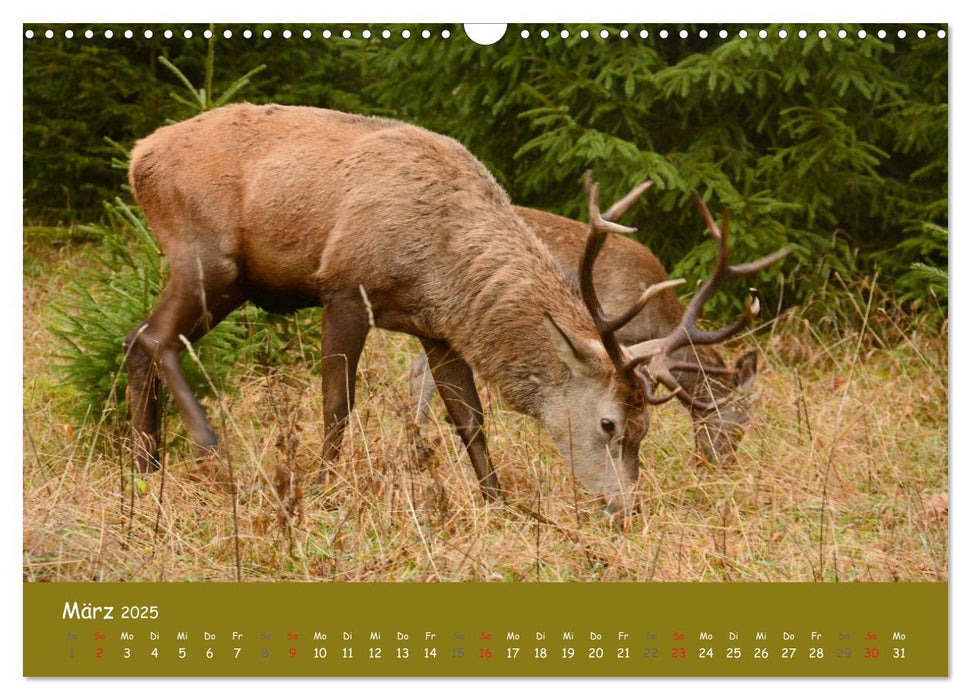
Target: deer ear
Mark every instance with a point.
(575, 354)
(746, 368)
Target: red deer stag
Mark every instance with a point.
(624, 269)
(386, 224)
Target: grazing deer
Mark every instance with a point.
(386, 224)
(624, 269)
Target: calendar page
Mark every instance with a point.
(444, 350)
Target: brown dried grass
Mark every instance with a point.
(842, 476)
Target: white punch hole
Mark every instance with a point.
(485, 34)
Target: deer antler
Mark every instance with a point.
(660, 363)
(623, 204)
(599, 228)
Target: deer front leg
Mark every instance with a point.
(456, 386)
(345, 328)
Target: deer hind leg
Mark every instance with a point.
(456, 386)
(192, 303)
(345, 329)
(143, 399)
(422, 389)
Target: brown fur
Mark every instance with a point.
(294, 206)
(624, 269)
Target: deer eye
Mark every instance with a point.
(607, 425)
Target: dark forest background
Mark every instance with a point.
(839, 146)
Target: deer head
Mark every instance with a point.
(719, 429)
(619, 382)
(598, 417)
(720, 401)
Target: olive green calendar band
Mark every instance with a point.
(481, 629)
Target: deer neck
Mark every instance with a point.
(502, 285)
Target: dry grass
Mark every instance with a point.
(841, 477)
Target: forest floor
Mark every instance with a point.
(842, 476)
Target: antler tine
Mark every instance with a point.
(660, 364)
(676, 391)
(599, 228)
(699, 337)
(721, 235)
(648, 386)
(662, 373)
(652, 291)
(718, 277)
(655, 346)
(687, 331)
(598, 223)
(746, 269)
(665, 377)
(619, 207)
(712, 226)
